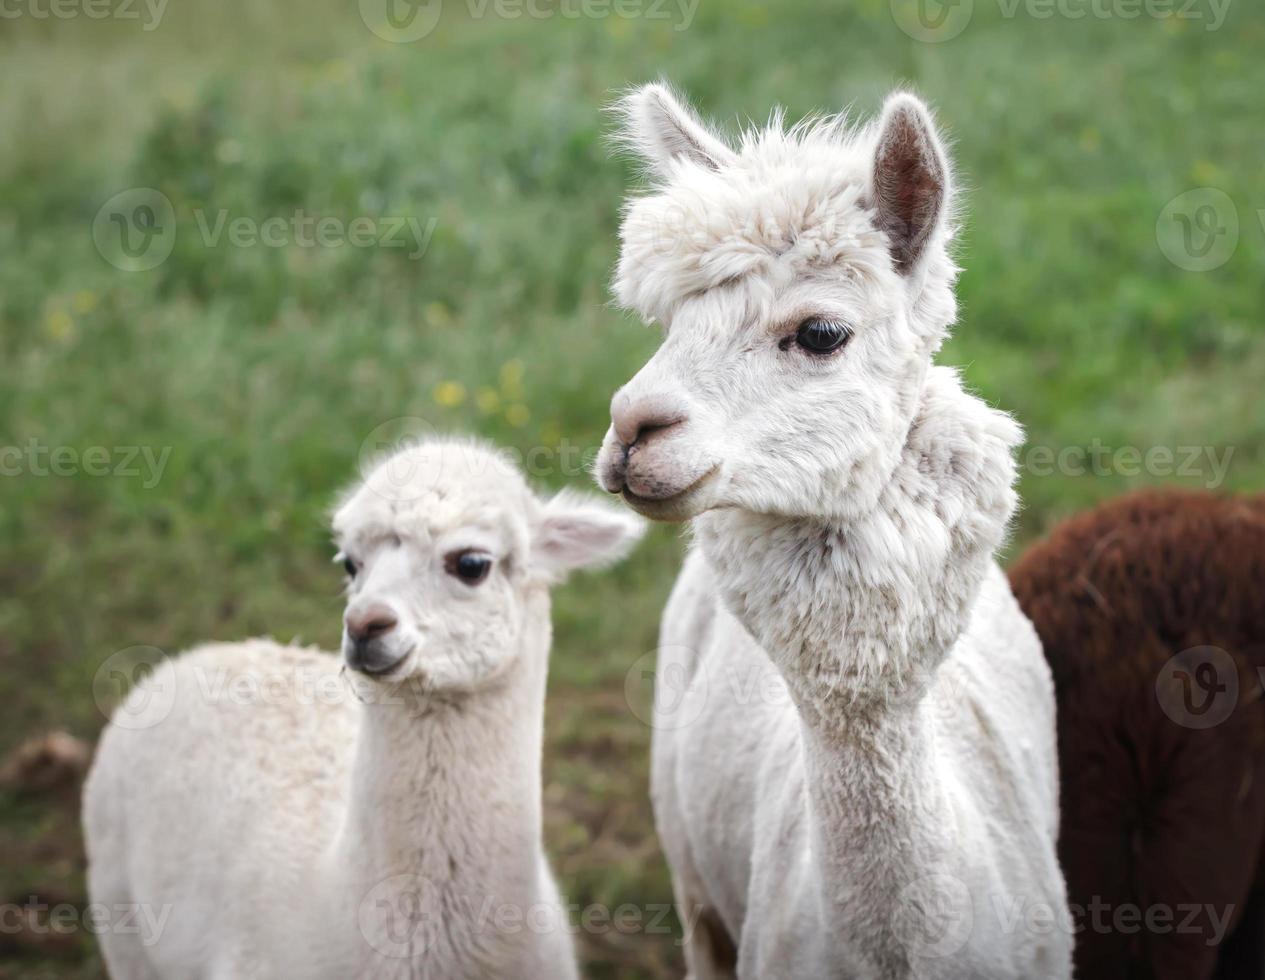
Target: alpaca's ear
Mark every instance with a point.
(579, 531)
(911, 179)
(660, 129)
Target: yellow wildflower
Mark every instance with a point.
(449, 394)
(488, 400)
(58, 324)
(512, 378)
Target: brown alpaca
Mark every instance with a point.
(1159, 814)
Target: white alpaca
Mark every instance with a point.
(274, 826)
(854, 767)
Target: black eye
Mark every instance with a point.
(471, 567)
(818, 336)
(349, 567)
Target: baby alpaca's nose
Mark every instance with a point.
(370, 623)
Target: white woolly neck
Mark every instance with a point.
(445, 795)
(846, 605)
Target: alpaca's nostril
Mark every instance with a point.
(652, 428)
(636, 420)
(379, 626)
(370, 625)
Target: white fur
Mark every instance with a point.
(298, 820)
(859, 779)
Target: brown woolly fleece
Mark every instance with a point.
(1162, 761)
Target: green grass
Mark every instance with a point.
(263, 370)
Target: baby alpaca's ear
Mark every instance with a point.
(580, 531)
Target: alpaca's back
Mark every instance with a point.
(213, 793)
(1162, 760)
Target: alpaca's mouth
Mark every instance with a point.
(375, 667)
(383, 670)
(678, 507)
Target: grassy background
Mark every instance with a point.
(264, 370)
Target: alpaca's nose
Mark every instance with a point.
(369, 624)
(636, 419)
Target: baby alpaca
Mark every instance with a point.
(859, 780)
(277, 826)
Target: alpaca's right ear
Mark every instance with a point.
(580, 531)
(659, 129)
(911, 179)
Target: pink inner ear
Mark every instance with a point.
(571, 542)
(909, 182)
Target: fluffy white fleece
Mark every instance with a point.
(854, 768)
(286, 817)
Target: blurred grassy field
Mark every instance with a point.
(264, 370)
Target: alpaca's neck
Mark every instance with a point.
(879, 819)
(445, 794)
(857, 616)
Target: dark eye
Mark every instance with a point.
(349, 567)
(818, 336)
(471, 567)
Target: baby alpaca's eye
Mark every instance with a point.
(349, 567)
(471, 567)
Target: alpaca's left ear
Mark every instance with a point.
(911, 178)
(579, 531)
(660, 130)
